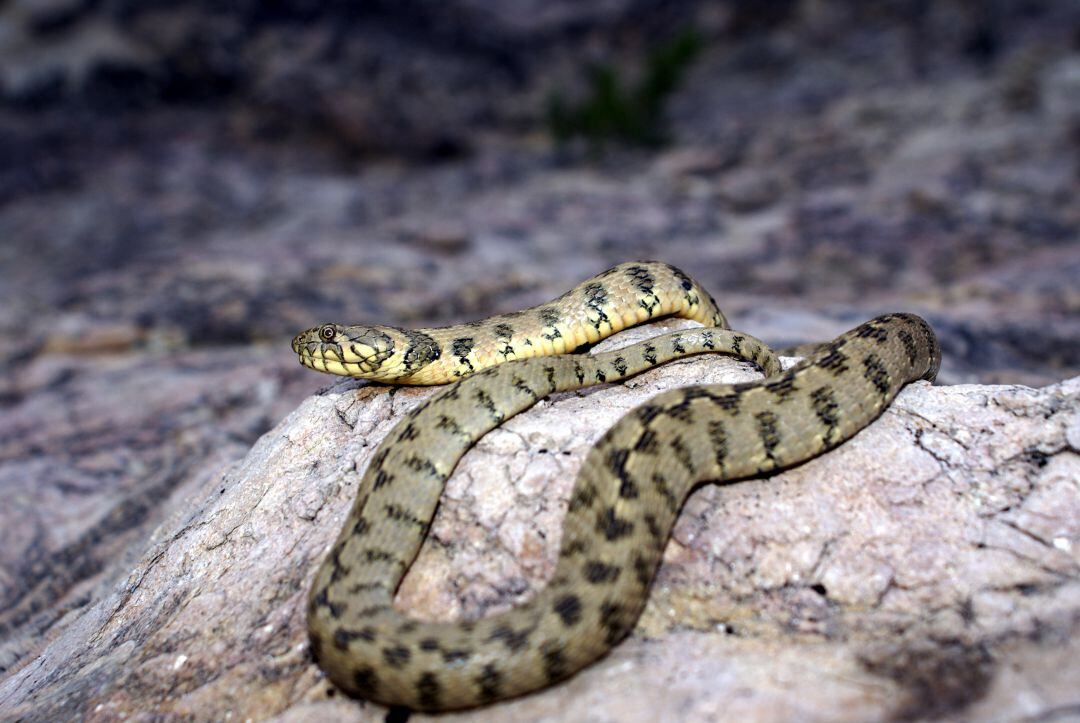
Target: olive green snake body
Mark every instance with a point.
(628, 493)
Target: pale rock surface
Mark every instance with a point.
(927, 568)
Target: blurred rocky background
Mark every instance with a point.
(183, 186)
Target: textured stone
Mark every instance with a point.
(929, 566)
(181, 191)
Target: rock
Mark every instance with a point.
(33, 54)
(749, 189)
(98, 448)
(227, 205)
(928, 567)
(697, 161)
(74, 334)
(1061, 90)
(184, 186)
(444, 236)
(364, 80)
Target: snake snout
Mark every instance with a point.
(301, 340)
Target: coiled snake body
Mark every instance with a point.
(628, 492)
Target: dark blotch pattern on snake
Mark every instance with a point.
(628, 493)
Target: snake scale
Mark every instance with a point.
(628, 493)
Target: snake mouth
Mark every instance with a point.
(317, 358)
(321, 363)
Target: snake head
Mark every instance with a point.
(310, 341)
(355, 351)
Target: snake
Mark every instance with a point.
(628, 492)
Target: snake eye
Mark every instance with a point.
(327, 333)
